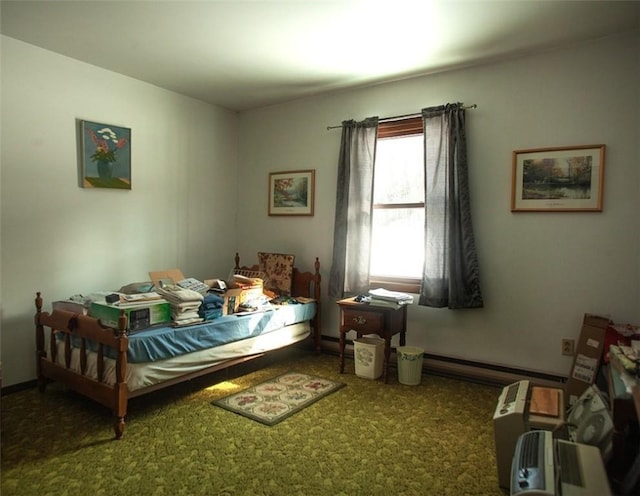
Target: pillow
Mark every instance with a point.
(278, 271)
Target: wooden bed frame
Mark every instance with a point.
(88, 329)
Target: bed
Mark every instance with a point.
(110, 365)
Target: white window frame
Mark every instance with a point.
(387, 130)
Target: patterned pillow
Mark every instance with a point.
(278, 271)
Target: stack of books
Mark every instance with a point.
(391, 299)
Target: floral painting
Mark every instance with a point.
(291, 193)
(106, 155)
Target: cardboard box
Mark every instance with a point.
(138, 316)
(234, 297)
(586, 361)
(170, 276)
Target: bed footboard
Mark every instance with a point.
(84, 334)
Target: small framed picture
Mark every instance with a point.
(105, 155)
(292, 192)
(563, 179)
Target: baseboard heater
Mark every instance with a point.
(483, 373)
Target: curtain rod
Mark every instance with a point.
(406, 116)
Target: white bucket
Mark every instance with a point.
(409, 365)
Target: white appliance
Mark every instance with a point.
(543, 466)
(512, 418)
(589, 421)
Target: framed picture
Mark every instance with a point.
(105, 155)
(292, 192)
(565, 179)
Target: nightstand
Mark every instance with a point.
(364, 318)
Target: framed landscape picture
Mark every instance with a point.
(292, 192)
(564, 179)
(105, 155)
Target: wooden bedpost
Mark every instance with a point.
(317, 327)
(40, 351)
(120, 387)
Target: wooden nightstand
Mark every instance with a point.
(368, 319)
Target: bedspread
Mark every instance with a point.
(165, 342)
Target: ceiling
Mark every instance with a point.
(247, 54)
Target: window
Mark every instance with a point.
(397, 243)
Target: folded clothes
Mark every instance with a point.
(186, 316)
(211, 314)
(176, 294)
(213, 299)
(178, 313)
(210, 306)
(185, 307)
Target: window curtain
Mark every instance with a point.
(450, 275)
(352, 230)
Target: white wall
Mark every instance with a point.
(61, 239)
(540, 272)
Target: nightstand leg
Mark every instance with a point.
(342, 352)
(403, 328)
(387, 356)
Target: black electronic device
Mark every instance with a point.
(112, 298)
(139, 318)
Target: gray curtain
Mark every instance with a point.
(352, 230)
(450, 275)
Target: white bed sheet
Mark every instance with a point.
(141, 375)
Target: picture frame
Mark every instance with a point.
(105, 155)
(559, 179)
(292, 192)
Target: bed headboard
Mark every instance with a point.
(306, 284)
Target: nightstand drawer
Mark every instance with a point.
(362, 321)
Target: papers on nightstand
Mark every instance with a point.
(392, 299)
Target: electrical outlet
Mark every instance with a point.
(568, 346)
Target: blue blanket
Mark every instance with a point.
(159, 343)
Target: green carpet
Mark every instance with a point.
(367, 439)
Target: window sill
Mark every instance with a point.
(404, 285)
